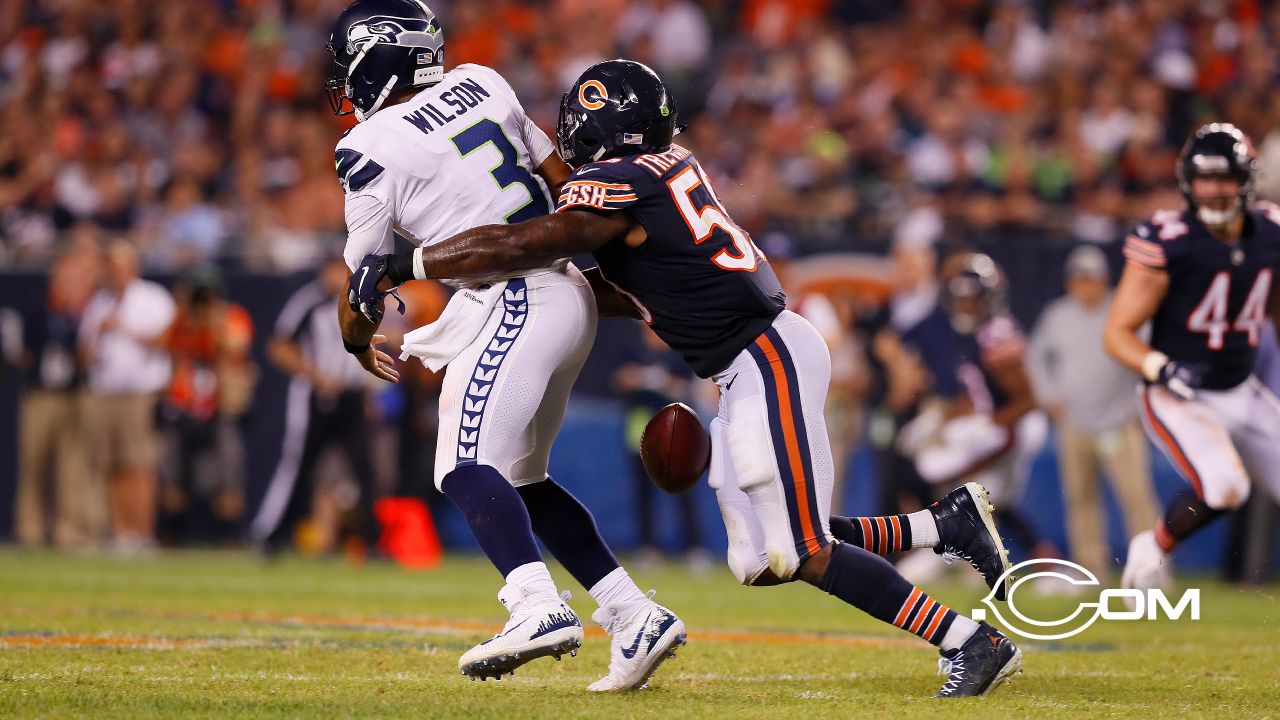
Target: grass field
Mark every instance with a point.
(204, 634)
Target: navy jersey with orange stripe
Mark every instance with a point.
(699, 280)
(1219, 294)
(995, 343)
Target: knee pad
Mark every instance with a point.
(1226, 489)
(751, 450)
(745, 562)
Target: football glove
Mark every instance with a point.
(363, 294)
(1181, 379)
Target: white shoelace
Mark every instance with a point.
(954, 669)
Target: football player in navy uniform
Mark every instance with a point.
(985, 433)
(1202, 276)
(669, 252)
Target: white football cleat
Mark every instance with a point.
(1147, 566)
(642, 634)
(539, 626)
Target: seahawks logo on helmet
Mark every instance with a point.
(409, 32)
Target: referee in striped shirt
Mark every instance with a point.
(326, 393)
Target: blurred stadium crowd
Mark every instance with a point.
(197, 131)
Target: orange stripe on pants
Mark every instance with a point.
(788, 423)
(1175, 450)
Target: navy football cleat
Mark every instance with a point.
(980, 665)
(967, 530)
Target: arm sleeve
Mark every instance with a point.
(369, 229)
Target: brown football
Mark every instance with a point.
(675, 449)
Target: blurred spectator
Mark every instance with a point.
(202, 126)
(202, 496)
(122, 338)
(1091, 399)
(52, 452)
(326, 406)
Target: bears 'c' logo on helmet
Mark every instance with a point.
(592, 101)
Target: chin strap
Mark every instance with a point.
(382, 97)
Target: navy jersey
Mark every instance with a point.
(699, 280)
(1218, 294)
(995, 344)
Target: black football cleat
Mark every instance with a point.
(979, 666)
(967, 530)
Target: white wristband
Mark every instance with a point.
(1151, 364)
(419, 272)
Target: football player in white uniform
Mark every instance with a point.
(437, 153)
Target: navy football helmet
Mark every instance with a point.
(1217, 149)
(616, 108)
(974, 291)
(380, 47)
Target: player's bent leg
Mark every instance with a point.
(977, 658)
(1193, 438)
(539, 626)
(541, 623)
(642, 633)
(960, 525)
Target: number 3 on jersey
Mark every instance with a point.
(1210, 316)
(508, 172)
(703, 221)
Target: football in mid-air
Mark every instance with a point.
(675, 449)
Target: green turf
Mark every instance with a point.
(222, 635)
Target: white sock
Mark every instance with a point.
(615, 587)
(962, 628)
(534, 578)
(924, 529)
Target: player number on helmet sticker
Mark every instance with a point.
(1210, 316)
(703, 222)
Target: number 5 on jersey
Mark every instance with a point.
(703, 221)
(1210, 316)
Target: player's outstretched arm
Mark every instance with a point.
(358, 334)
(494, 249)
(1138, 296)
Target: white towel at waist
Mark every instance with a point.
(467, 313)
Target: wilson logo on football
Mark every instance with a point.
(1134, 604)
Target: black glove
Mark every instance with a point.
(1180, 379)
(363, 294)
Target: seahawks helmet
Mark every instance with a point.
(616, 108)
(380, 47)
(974, 291)
(1217, 149)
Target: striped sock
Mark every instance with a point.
(869, 583)
(880, 535)
(921, 615)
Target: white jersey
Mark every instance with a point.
(460, 154)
